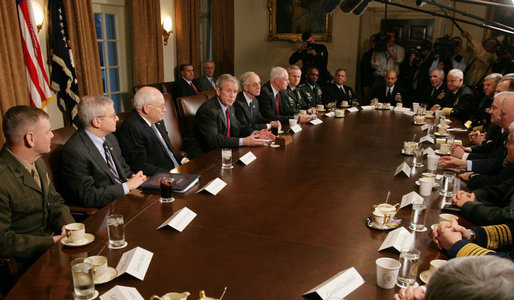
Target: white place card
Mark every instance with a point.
(409, 113)
(398, 239)
(367, 107)
(339, 286)
(352, 109)
(135, 262)
(213, 186)
(401, 109)
(426, 138)
(439, 176)
(315, 121)
(424, 127)
(410, 198)
(429, 151)
(296, 128)
(458, 129)
(120, 292)
(248, 158)
(403, 168)
(180, 219)
(330, 114)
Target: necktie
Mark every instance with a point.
(388, 92)
(196, 91)
(277, 101)
(228, 122)
(170, 154)
(342, 90)
(110, 163)
(433, 91)
(35, 175)
(212, 82)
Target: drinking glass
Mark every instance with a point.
(166, 184)
(448, 179)
(226, 158)
(409, 258)
(418, 216)
(418, 157)
(83, 282)
(116, 231)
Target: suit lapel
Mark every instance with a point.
(96, 156)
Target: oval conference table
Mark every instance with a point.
(285, 223)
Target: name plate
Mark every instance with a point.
(296, 128)
(409, 113)
(330, 114)
(339, 286)
(426, 138)
(403, 168)
(180, 219)
(410, 198)
(214, 186)
(424, 127)
(367, 107)
(247, 158)
(135, 262)
(352, 109)
(315, 121)
(398, 239)
(121, 292)
(401, 109)
(429, 151)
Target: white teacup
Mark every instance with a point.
(425, 186)
(344, 103)
(387, 105)
(408, 147)
(292, 122)
(99, 265)
(419, 119)
(172, 296)
(387, 272)
(339, 113)
(386, 209)
(379, 105)
(447, 217)
(428, 175)
(436, 263)
(445, 148)
(443, 130)
(320, 107)
(399, 104)
(75, 231)
(380, 219)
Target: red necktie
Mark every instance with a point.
(277, 101)
(196, 91)
(228, 122)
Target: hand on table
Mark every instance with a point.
(136, 180)
(465, 176)
(458, 151)
(462, 197)
(411, 293)
(452, 162)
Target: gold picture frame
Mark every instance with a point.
(296, 17)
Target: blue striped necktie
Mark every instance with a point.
(110, 163)
(175, 163)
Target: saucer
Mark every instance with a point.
(425, 276)
(119, 247)
(88, 238)
(419, 124)
(345, 106)
(403, 152)
(273, 145)
(433, 226)
(109, 275)
(441, 134)
(415, 285)
(388, 226)
(436, 184)
(441, 153)
(95, 295)
(322, 110)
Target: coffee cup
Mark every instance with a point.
(99, 265)
(457, 142)
(320, 107)
(386, 209)
(445, 122)
(399, 104)
(292, 122)
(447, 217)
(408, 147)
(425, 186)
(344, 103)
(75, 231)
(339, 113)
(419, 119)
(387, 272)
(379, 105)
(387, 105)
(436, 263)
(303, 111)
(380, 219)
(443, 130)
(445, 148)
(428, 175)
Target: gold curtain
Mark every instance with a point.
(223, 35)
(187, 14)
(82, 34)
(148, 65)
(13, 81)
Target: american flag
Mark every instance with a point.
(39, 89)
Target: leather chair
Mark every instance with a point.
(9, 274)
(172, 122)
(53, 159)
(163, 87)
(187, 107)
(121, 116)
(209, 93)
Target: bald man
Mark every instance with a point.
(390, 92)
(143, 136)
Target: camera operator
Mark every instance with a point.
(483, 56)
(448, 50)
(387, 56)
(312, 55)
(415, 70)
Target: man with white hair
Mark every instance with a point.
(272, 100)
(92, 167)
(143, 136)
(247, 106)
(481, 116)
(459, 101)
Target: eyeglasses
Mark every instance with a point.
(114, 116)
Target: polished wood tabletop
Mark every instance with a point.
(285, 223)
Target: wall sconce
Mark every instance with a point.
(38, 15)
(166, 29)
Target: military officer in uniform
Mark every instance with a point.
(310, 90)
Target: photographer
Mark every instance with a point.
(312, 55)
(482, 58)
(415, 70)
(387, 56)
(448, 50)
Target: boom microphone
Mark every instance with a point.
(329, 6)
(348, 5)
(361, 8)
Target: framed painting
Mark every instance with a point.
(288, 19)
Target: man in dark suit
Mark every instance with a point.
(437, 91)
(480, 119)
(32, 213)
(272, 100)
(92, 167)
(337, 91)
(459, 101)
(207, 81)
(247, 105)
(143, 136)
(184, 86)
(216, 125)
(390, 92)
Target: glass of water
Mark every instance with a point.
(448, 181)
(226, 158)
(409, 259)
(418, 216)
(418, 157)
(116, 231)
(83, 282)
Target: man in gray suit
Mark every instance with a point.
(92, 168)
(247, 106)
(207, 81)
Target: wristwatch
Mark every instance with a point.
(472, 235)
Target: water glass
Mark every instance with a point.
(83, 282)
(226, 158)
(409, 258)
(448, 179)
(450, 140)
(116, 231)
(430, 130)
(418, 157)
(418, 216)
